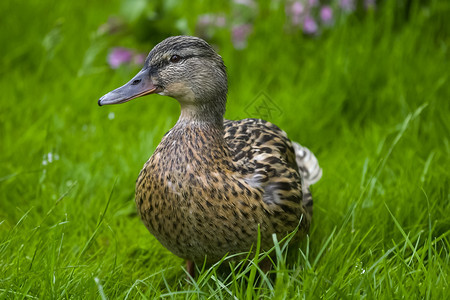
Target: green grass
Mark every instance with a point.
(371, 97)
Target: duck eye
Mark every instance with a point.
(175, 58)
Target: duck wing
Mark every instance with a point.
(265, 157)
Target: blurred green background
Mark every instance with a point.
(363, 84)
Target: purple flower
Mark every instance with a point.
(138, 59)
(347, 5)
(119, 56)
(208, 23)
(295, 10)
(220, 21)
(309, 25)
(326, 14)
(208, 20)
(239, 35)
(204, 20)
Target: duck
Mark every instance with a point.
(213, 185)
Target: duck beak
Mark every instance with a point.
(140, 85)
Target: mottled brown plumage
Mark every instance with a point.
(211, 182)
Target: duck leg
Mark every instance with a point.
(190, 267)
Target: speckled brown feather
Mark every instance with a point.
(205, 190)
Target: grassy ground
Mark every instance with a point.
(371, 97)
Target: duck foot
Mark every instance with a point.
(190, 268)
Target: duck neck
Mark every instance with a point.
(199, 134)
(208, 114)
(197, 121)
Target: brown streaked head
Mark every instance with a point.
(183, 67)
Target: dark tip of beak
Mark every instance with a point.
(99, 102)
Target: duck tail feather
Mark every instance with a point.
(308, 164)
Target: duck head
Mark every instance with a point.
(185, 68)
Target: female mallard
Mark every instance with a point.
(211, 182)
